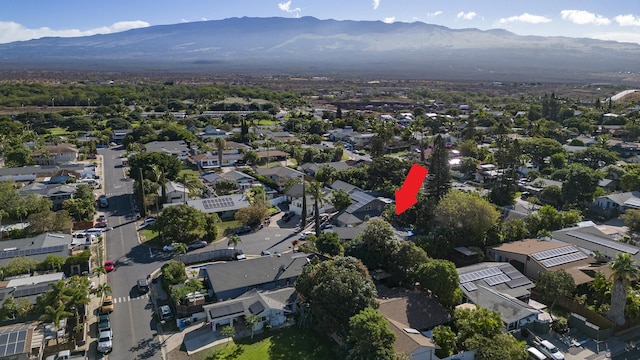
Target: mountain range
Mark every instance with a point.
(309, 46)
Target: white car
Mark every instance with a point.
(147, 222)
(170, 247)
(307, 233)
(105, 341)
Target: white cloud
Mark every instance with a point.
(376, 3)
(524, 18)
(628, 20)
(389, 19)
(582, 17)
(434, 14)
(12, 31)
(466, 16)
(183, 20)
(286, 7)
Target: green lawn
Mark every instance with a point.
(148, 235)
(223, 226)
(57, 131)
(290, 343)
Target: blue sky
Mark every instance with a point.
(609, 20)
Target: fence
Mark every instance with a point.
(208, 256)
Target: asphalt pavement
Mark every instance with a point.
(133, 325)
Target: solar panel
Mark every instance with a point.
(518, 282)
(480, 274)
(498, 279)
(217, 203)
(13, 341)
(31, 290)
(564, 259)
(604, 242)
(470, 286)
(553, 252)
(30, 252)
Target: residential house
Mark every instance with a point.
(28, 288)
(487, 173)
(294, 196)
(404, 119)
(500, 287)
(342, 185)
(211, 132)
(362, 206)
(272, 155)
(272, 306)
(225, 206)
(346, 234)
(360, 140)
(33, 173)
(118, 135)
(592, 238)
(38, 248)
(175, 192)
(55, 192)
(50, 155)
(178, 148)
(341, 134)
(312, 168)
(531, 256)
(280, 174)
(209, 160)
(410, 313)
(243, 181)
(626, 149)
(23, 341)
(619, 202)
(231, 279)
(537, 186)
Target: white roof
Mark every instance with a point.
(32, 280)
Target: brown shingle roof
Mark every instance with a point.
(528, 246)
(413, 308)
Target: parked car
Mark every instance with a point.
(148, 221)
(107, 305)
(288, 216)
(102, 201)
(307, 233)
(105, 341)
(165, 313)
(197, 245)
(550, 350)
(326, 226)
(265, 253)
(243, 230)
(109, 266)
(94, 231)
(170, 247)
(104, 323)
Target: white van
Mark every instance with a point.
(535, 354)
(94, 231)
(551, 350)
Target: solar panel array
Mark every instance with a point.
(31, 290)
(13, 341)
(564, 259)
(470, 286)
(30, 252)
(217, 203)
(512, 273)
(554, 252)
(480, 274)
(498, 279)
(604, 242)
(522, 281)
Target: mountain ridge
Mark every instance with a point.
(309, 45)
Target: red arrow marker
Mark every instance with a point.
(406, 197)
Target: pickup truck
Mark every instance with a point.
(68, 355)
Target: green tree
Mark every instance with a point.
(580, 186)
(329, 243)
(405, 261)
(52, 262)
(252, 215)
(631, 218)
(53, 315)
(445, 338)
(340, 199)
(480, 321)
(315, 190)
(220, 143)
(252, 320)
(228, 332)
(375, 244)
(550, 219)
(20, 265)
(594, 157)
(336, 290)
(9, 309)
(103, 290)
(624, 271)
(501, 346)
(234, 240)
(370, 337)
(467, 214)
(439, 180)
(173, 273)
(181, 223)
(539, 148)
(441, 277)
(251, 157)
(555, 284)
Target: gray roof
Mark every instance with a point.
(358, 200)
(621, 198)
(38, 247)
(219, 204)
(47, 189)
(596, 238)
(341, 185)
(347, 233)
(167, 146)
(235, 175)
(40, 170)
(279, 171)
(254, 272)
(252, 302)
(509, 308)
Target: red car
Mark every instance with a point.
(109, 266)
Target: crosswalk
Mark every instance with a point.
(123, 299)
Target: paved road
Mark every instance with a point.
(134, 329)
(272, 238)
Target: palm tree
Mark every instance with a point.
(228, 332)
(315, 190)
(54, 315)
(221, 143)
(158, 178)
(624, 270)
(190, 183)
(103, 290)
(234, 240)
(77, 296)
(58, 294)
(252, 320)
